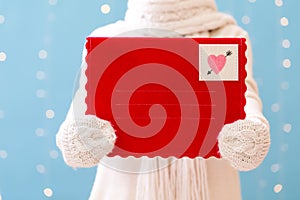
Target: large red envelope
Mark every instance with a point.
(166, 96)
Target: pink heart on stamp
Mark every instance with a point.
(216, 63)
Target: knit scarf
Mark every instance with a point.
(172, 179)
(181, 179)
(182, 16)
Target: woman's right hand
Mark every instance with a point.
(85, 141)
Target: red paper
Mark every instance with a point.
(166, 96)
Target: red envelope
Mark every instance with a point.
(166, 96)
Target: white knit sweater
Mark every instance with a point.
(243, 144)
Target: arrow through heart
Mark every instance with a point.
(217, 63)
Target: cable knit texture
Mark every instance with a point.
(85, 141)
(244, 143)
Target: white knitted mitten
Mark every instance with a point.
(85, 141)
(245, 143)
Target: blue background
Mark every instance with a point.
(41, 43)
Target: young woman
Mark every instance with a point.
(84, 140)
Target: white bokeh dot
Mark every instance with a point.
(50, 114)
(284, 21)
(277, 188)
(286, 44)
(43, 54)
(278, 3)
(53, 154)
(2, 56)
(40, 75)
(275, 168)
(105, 8)
(48, 192)
(41, 169)
(286, 63)
(285, 85)
(2, 19)
(2, 114)
(40, 93)
(275, 107)
(252, 1)
(287, 128)
(3, 154)
(52, 2)
(246, 19)
(40, 132)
